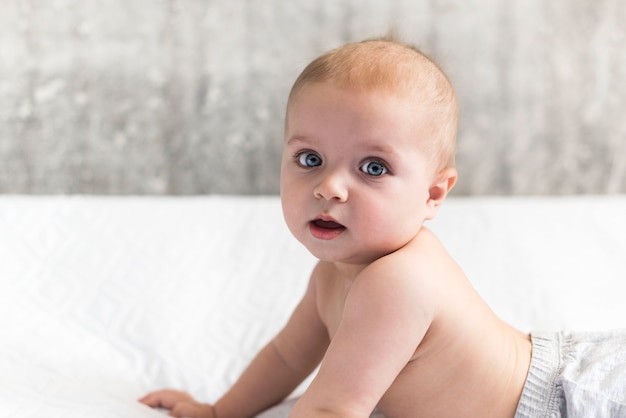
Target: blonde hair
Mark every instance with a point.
(385, 64)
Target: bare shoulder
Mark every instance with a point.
(412, 277)
(421, 266)
(422, 274)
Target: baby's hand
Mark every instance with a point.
(179, 403)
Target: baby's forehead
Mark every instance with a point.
(420, 97)
(372, 113)
(328, 90)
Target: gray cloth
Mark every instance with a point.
(576, 375)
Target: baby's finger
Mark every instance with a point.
(165, 398)
(151, 399)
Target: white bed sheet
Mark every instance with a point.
(103, 299)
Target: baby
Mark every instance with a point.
(388, 316)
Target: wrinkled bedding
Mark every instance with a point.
(103, 299)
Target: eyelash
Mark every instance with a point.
(300, 159)
(384, 170)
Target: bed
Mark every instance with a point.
(105, 298)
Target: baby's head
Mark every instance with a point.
(369, 150)
(389, 66)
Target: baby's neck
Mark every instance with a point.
(348, 272)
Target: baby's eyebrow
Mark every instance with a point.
(379, 148)
(297, 138)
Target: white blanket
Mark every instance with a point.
(104, 299)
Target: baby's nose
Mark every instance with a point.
(332, 187)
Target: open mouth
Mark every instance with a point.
(325, 229)
(327, 224)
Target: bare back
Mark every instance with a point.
(468, 362)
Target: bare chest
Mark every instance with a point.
(331, 302)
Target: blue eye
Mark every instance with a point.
(373, 168)
(309, 159)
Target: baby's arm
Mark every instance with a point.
(273, 374)
(383, 322)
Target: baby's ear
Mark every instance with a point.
(444, 182)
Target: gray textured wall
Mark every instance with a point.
(187, 97)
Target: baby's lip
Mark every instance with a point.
(325, 228)
(327, 222)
